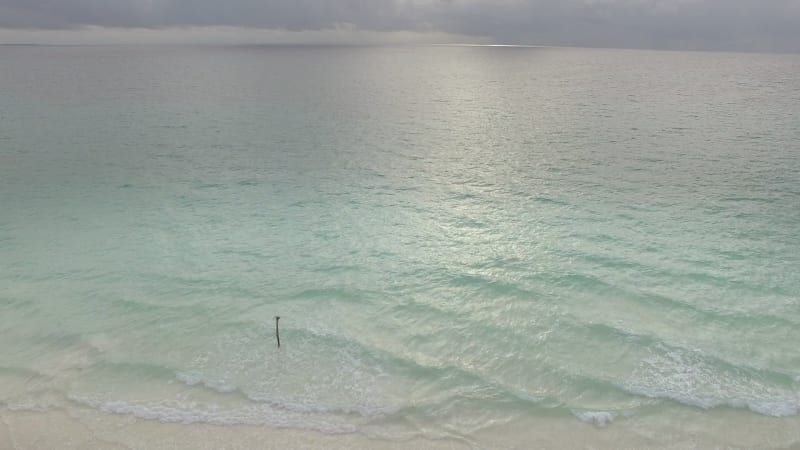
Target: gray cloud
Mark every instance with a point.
(711, 24)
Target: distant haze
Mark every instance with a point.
(767, 25)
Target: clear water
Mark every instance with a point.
(453, 237)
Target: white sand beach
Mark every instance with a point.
(87, 429)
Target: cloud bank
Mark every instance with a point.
(697, 24)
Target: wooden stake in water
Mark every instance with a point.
(277, 333)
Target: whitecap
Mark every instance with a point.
(695, 379)
(597, 418)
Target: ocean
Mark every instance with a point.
(457, 239)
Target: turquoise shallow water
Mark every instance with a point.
(453, 237)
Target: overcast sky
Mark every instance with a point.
(772, 25)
